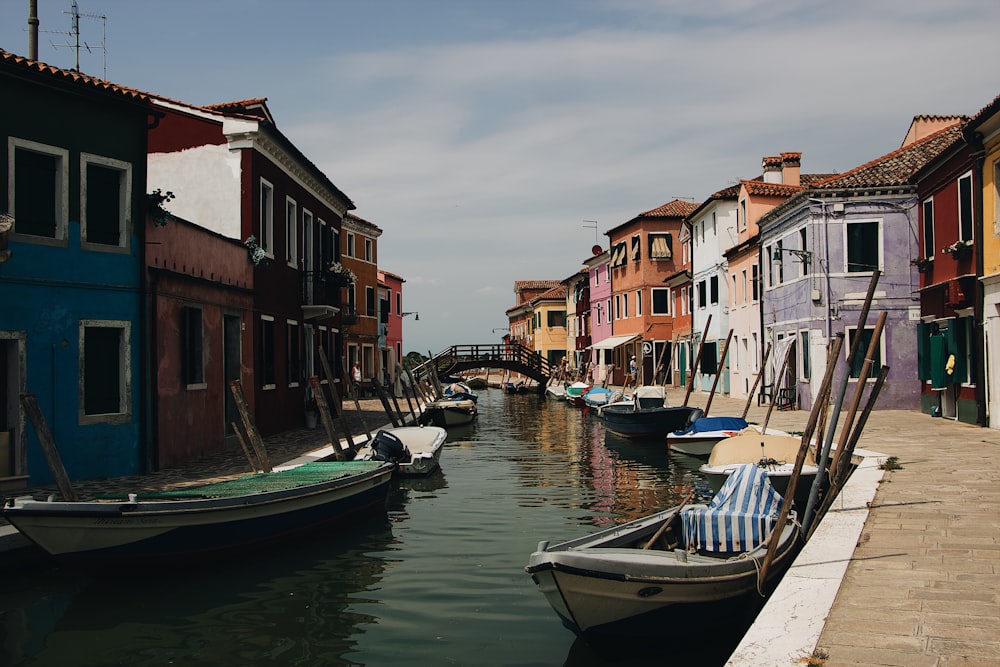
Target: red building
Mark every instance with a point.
(234, 174)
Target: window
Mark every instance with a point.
(607, 271)
(805, 367)
(38, 189)
(618, 306)
(293, 354)
(965, 212)
(399, 303)
(607, 309)
(104, 361)
(370, 301)
(307, 241)
(267, 379)
(265, 234)
(927, 225)
(709, 363)
(597, 317)
(859, 357)
(638, 303)
(660, 300)
(291, 231)
(106, 207)
(369, 251)
(702, 294)
(713, 287)
(661, 246)
(597, 277)
(636, 249)
(556, 318)
(863, 247)
(755, 281)
(741, 215)
(743, 276)
(349, 245)
(624, 305)
(192, 348)
(804, 247)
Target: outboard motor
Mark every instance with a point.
(695, 415)
(390, 448)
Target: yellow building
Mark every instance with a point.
(983, 133)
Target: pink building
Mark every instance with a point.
(391, 320)
(599, 276)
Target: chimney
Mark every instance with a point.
(791, 165)
(33, 29)
(772, 169)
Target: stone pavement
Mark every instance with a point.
(922, 588)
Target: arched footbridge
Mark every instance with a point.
(513, 357)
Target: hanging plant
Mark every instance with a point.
(959, 249)
(255, 253)
(341, 275)
(922, 263)
(155, 201)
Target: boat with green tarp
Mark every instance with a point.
(202, 519)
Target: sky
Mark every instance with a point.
(484, 137)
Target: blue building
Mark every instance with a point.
(71, 290)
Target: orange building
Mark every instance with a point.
(647, 266)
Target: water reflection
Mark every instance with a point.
(437, 579)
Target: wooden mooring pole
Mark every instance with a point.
(30, 404)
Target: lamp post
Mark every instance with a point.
(416, 315)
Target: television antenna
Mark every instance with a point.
(75, 34)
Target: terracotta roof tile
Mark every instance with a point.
(554, 293)
(764, 189)
(897, 167)
(678, 208)
(520, 285)
(72, 77)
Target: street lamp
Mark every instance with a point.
(803, 255)
(416, 315)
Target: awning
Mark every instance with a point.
(612, 342)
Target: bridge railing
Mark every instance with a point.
(485, 355)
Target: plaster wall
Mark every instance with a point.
(205, 181)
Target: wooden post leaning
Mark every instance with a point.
(324, 415)
(380, 392)
(800, 459)
(718, 372)
(331, 382)
(756, 381)
(697, 360)
(253, 435)
(30, 404)
(254, 463)
(336, 394)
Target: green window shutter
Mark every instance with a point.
(923, 351)
(938, 360)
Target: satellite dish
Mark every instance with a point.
(597, 250)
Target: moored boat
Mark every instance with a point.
(575, 392)
(647, 416)
(416, 450)
(701, 436)
(684, 555)
(774, 454)
(449, 412)
(202, 520)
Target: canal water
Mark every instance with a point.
(437, 579)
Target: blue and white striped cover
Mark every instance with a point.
(740, 516)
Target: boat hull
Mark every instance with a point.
(590, 587)
(169, 530)
(424, 444)
(647, 423)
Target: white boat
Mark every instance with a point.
(556, 390)
(774, 454)
(449, 412)
(416, 450)
(202, 520)
(701, 436)
(684, 555)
